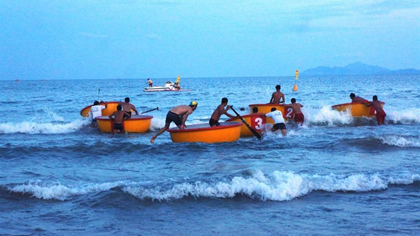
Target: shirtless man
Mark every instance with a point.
(127, 107)
(278, 119)
(277, 97)
(150, 83)
(220, 110)
(178, 115)
(355, 98)
(299, 117)
(118, 117)
(380, 113)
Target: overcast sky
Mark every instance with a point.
(89, 39)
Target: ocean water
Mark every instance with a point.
(334, 175)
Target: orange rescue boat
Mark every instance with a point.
(134, 124)
(111, 107)
(356, 109)
(203, 133)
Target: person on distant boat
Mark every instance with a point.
(127, 107)
(178, 115)
(277, 97)
(150, 83)
(118, 116)
(355, 98)
(220, 110)
(380, 113)
(278, 119)
(95, 111)
(255, 110)
(298, 115)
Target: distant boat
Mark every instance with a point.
(16, 80)
(169, 86)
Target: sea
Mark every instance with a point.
(335, 175)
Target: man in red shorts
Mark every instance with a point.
(380, 113)
(299, 117)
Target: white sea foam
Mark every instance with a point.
(42, 128)
(400, 141)
(60, 192)
(327, 116)
(278, 186)
(407, 116)
(54, 116)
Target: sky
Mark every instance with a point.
(99, 39)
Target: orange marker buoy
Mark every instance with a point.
(295, 88)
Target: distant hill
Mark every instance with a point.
(357, 68)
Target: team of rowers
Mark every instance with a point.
(179, 114)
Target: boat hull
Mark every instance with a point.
(160, 89)
(256, 121)
(287, 111)
(203, 133)
(357, 109)
(111, 107)
(135, 124)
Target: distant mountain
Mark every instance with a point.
(357, 68)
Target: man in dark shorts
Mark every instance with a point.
(178, 115)
(278, 119)
(220, 110)
(118, 117)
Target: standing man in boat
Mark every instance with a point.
(355, 98)
(380, 113)
(127, 107)
(118, 116)
(95, 111)
(278, 119)
(299, 117)
(220, 110)
(178, 115)
(150, 82)
(277, 97)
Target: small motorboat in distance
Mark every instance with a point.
(169, 86)
(356, 109)
(134, 124)
(203, 133)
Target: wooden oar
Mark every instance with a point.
(157, 108)
(247, 125)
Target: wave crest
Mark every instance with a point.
(42, 128)
(279, 186)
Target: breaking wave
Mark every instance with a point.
(30, 127)
(278, 186)
(401, 141)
